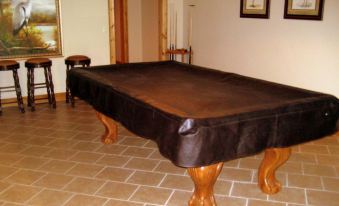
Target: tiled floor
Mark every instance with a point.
(55, 157)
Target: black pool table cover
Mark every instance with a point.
(199, 116)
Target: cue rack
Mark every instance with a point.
(173, 51)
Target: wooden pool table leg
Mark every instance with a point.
(204, 179)
(274, 158)
(111, 129)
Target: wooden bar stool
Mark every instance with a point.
(10, 65)
(72, 62)
(46, 64)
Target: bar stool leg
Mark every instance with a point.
(68, 97)
(28, 87)
(0, 104)
(48, 86)
(31, 87)
(18, 91)
(51, 86)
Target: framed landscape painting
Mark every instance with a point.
(304, 9)
(29, 28)
(254, 8)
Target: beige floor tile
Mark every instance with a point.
(9, 159)
(318, 149)
(4, 185)
(230, 201)
(6, 171)
(132, 141)
(177, 182)
(331, 184)
(222, 187)
(62, 143)
(264, 203)
(53, 181)
(18, 138)
(111, 149)
(330, 160)
(87, 146)
(69, 127)
(122, 203)
(25, 177)
(159, 195)
(232, 163)
(334, 150)
(179, 198)
(117, 190)
(247, 190)
(326, 141)
(83, 200)
(57, 166)
(169, 167)
(142, 164)
(236, 174)
(113, 160)
(19, 193)
(137, 152)
(322, 198)
(319, 170)
(37, 151)
(151, 144)
(87, 157)
(84, 185)
(146, 178)
(13, 148)
(114, 174)
(156, 155)
(303, 181)
(60, 154)
(42, 131)
(291, 167)
(62, 134)
(50, 198)
(39, 141)
(302, 157)
(85, 170)
(30, 162)
(291, 195)
(84, 136)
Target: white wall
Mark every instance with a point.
(301, 53)
(84, 31)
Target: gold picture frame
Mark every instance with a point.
(254, 8)
(30, 28)
(304, 9)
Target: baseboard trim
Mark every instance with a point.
(43, 98)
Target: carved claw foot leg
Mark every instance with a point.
(111, 129)
(204, 179)
(273, 159)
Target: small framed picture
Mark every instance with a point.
(304, 9)
(254, 8)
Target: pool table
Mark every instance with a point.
(200, 117)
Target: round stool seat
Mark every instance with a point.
(78, 60)
(9, 65)
(38, 62)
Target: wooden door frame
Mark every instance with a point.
(162, 29)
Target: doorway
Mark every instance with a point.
(120, 34)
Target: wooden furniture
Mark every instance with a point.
(71, 62)
(172, 53)
(200, 118)
(10, 65)
(31, 65)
